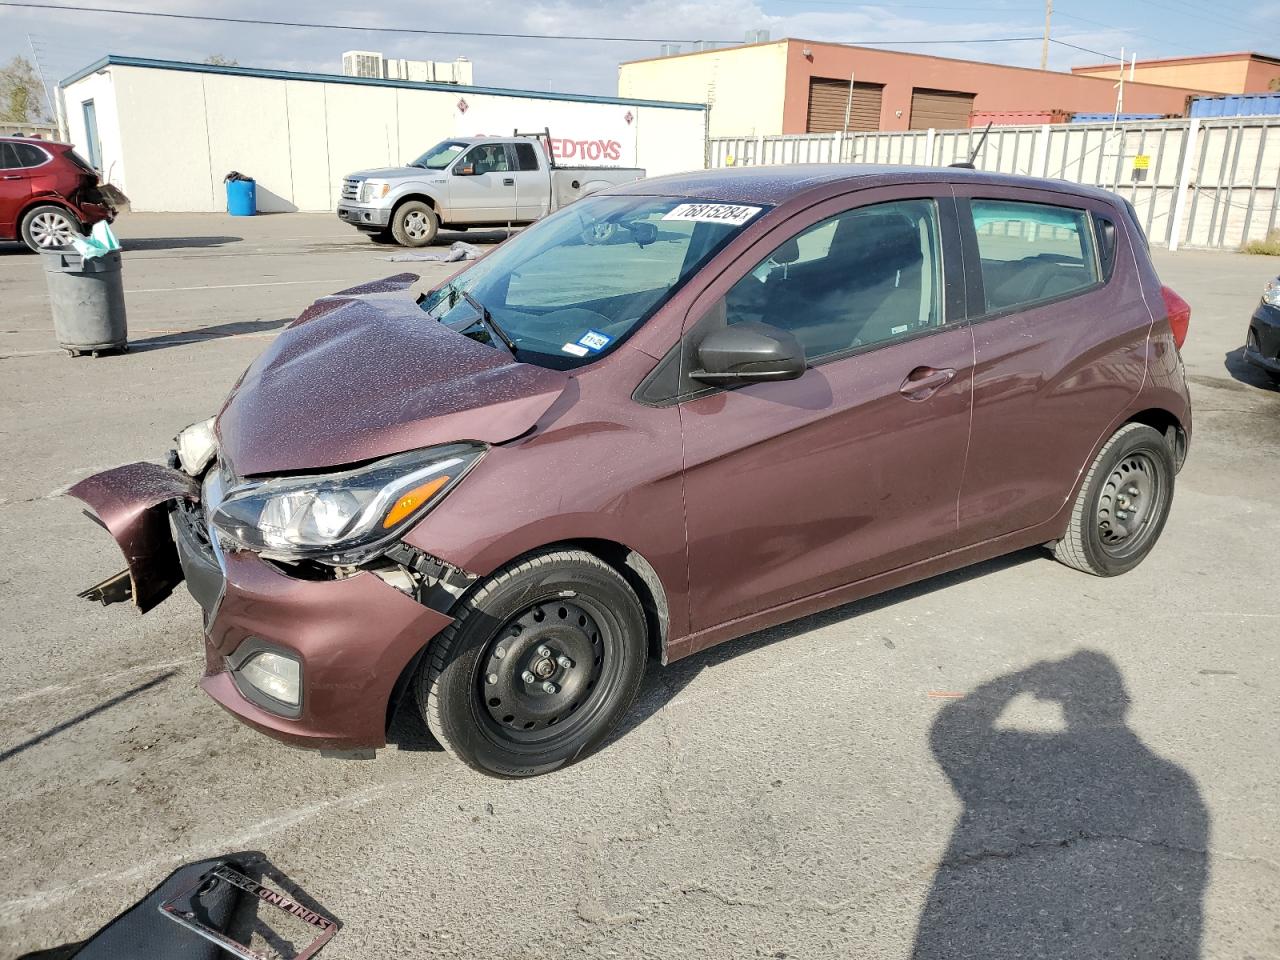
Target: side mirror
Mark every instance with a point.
(466, 170)
(749, 353)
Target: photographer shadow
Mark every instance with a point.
(1073, 843)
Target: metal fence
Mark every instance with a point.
(45, 131)
(1198, 183)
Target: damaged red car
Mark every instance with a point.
(670, 414)
(49, 194)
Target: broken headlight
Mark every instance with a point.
(341, 518)
(196, 446)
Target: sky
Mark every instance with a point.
(63, 42)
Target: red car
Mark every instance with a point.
(670, 414)
(48, 193)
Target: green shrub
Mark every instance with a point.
(1269, 246)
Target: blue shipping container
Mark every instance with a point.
(1238, 105)
(1108, 117)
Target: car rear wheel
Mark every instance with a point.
(1123, 504)
(540, 664)
(414, 224)
(49, 227)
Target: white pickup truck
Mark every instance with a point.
(469, 182)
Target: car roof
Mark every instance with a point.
(776, 185)
(35, 141)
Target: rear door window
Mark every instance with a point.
(1032, 252)
(8, 159)
(526, 156)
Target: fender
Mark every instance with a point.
(427, 191)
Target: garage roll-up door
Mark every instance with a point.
(828, 99)
(940, 109)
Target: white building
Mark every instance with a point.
(167, 132)
(373, 65)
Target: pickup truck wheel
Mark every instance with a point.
(49, 227)
(540, 664)
(414, 224)
(1122, 505)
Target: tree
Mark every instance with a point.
(21, 93)
(218, 60)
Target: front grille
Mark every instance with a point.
(191, 516)
(350, 189)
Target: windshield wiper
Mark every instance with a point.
(487, 318)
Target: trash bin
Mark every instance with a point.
(87, 297)
(242, 198)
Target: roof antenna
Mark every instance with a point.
(968, 164)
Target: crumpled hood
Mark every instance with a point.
(393, 173)
(364, 374)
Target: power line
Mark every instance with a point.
(252, 21)
(457, 33)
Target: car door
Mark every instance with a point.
(15, 189)
(533, 182)
(794, 488)
(482, 188)
(1060, 327)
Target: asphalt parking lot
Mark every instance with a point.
(824, 789)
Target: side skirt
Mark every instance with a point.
(912, 573)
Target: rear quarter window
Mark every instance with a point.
(1032, 252)
(29, 156)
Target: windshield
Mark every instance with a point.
(440, 156)
(575, 285)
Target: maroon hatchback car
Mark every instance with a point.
(670, 414)
(48, 193)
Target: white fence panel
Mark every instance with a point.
(1221, 193)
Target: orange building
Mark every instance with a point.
(1221, 72)
(803, 86)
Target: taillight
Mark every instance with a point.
(1179, 315)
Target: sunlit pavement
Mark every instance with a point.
(1017, 760)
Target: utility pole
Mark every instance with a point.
(1044, 48)
(848, 110)
(44, 87)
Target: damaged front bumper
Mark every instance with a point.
(357, 637)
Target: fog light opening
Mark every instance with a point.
(274, 675)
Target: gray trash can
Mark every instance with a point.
(87, 297)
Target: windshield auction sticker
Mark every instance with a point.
(733, 213)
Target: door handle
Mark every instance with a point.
(15, 177)
(923, 382)
(508, 181)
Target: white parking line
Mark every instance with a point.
(228, 286)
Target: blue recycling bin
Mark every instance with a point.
(242, 198)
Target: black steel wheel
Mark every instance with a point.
(1122, 505)
(541, 663)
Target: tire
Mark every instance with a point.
(472, 689)
(1122, 505)
(49, 227)
(414, 224)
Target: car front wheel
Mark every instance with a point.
(1122, 505)
(49, 227)
(539, 666)
(414, 224)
